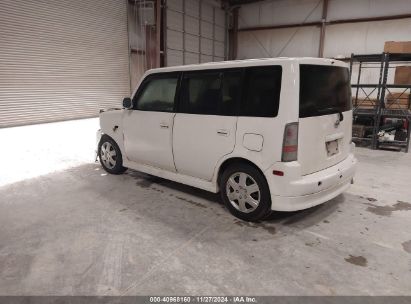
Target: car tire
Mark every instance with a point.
(110, 156)
(245, 193)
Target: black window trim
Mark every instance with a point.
(221, 72)
(178, 95)
(154, 76)
(245, 89)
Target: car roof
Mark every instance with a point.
(247, 63)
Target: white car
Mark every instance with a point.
(269, 134)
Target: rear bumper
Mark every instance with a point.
(291, 194)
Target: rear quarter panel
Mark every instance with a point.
(270, 128)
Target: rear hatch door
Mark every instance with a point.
(325, 116)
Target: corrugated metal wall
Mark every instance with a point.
(279, 12)
(61, 59)
(289, 42)
(340, 39)
(196, 32)
(279, 42)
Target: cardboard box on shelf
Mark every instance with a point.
(358, 131)
(365, 103)
(397, 101)
(397, 47)
(402, 75)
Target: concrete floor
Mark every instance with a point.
(40, 149)
(79, 231)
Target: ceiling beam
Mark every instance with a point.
(240, 2)
(319, 23)
(281, 26)
(370, 19)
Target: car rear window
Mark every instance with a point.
(262, 91)
(324, 90)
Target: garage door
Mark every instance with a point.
(195, 32)
(61, 59)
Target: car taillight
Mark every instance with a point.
(290, 142)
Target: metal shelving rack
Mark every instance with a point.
(379, 110)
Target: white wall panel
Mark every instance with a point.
(196, 27)
(192, 8)
(350, 9)
(176, 5)
(174, 57)
(364, 37)
(220, 17)
(269, 43)
(206, 58)
(175, 40)
(192, 43)
(279, 12)
(219, 33)
(206, 46)
(341, 39)
(192, 25)
(207, 12)
(175, 20)
(191, 58)
(218, 49)
(207, 29)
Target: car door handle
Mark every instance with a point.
(163, 125)
(222, 132)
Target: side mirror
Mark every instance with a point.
(127, 103)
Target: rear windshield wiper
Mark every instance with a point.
(329, 110)
(332, 110)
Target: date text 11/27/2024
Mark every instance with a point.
(203, 299)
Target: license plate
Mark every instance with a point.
(332, 147)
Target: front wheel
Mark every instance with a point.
(110, 156)
(245, 192)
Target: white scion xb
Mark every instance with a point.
(269, 134)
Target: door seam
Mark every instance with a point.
(172, 142)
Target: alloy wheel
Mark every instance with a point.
(108, 155)
(243, 192)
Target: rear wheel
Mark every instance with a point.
(245, 192)
(110, 156)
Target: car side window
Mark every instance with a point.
(211, 92)
(201, 93)
(231, 96)
(157, 94)
(263, 87)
